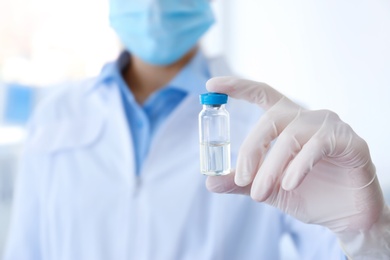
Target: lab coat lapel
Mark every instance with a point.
(117, 134)
(171, 180)
(99, 122)
(177, 136)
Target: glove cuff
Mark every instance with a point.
(369, 244)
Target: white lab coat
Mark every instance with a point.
(78, 196)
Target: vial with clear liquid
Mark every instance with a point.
(214, 135)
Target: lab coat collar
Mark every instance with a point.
(97, 107)
(112, 71)
(186, 80)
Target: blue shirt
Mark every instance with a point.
(145, 119)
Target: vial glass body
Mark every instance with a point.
(214, 133)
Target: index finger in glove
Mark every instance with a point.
(251, 91)
(280, 112)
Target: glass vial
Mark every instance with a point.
(214, 135)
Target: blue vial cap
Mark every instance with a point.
(212, 98)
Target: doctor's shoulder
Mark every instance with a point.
(60, 101)
(63, 118)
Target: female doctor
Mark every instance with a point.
(110, 167)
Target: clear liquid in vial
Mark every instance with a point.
(215, 158)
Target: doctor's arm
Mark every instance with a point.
(318, 170)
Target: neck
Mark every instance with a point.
(143, 78)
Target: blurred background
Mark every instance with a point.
(323, 54)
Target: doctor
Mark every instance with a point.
(110, 168)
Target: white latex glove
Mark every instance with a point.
(318, 170)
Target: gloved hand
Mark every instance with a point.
(318, 169)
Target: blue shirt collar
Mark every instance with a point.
(191, 79)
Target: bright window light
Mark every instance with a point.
(11, 135)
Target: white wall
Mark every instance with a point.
(43, 42)
(324, 54)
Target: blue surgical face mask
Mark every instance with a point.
(160, 32)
